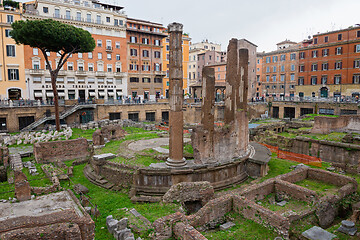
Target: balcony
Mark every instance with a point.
(109, 49)
(161, 73)
(81, 73)
(62, 73)
(100, 74)
(37, 71)
(119, 74)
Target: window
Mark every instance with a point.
(35, 51)
(325, 66)
(133, 52)
(325, 52)
(282, 57)
(323, 80)
(283, 68)
(117, 45)
(274, 78)
(358, 34)
(275, 59)
(78, 16)
(314, 54)
(133, 66)
(145, 53)
(109, 68)
(100, 67)
(314, 67)
(267, 69)
(267, 78)
(80, 55)
(157, 54)
(157, 67)
(326, 39)
(88, 17)
(7, 33)
(117, 57)
(108, 56)
(302, 68)
(99, 43)
(268, 59)
(282, 77)
(337, 79)
(81, 66)
(10, 50)
(313, 80)
(67, 14)
(315, 40)
(338, 50)
(157, 42)
(133, 39)
(36, 64)
(274, 68)
(57, 13)
(357, 48)
(292, 67)
(47, 67)
(146, 66)
(98, 19)
(90, 55)
(91, 67)
(292, 56)
(301, 81)
(292, 77)
(108, 19)
(134, 79)
(145, 41)
(45, 10)
(13, 74)
(357, 63)
(338, 65)
(339, 36)
(70, 66)
(99, 55)
(9, 18)
(356, 78)
(302, 55)
(146, 80)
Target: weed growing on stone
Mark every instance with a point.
(320, 188)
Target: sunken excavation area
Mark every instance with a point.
(276, 203)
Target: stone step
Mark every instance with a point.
(105, 156)
(108, 185)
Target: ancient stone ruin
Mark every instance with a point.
(210, 144)
(325, 125)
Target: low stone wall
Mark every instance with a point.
(77, 149)
(118, 174)
(343, 155)
(65, 231)
(4, 156)
(50, 189)
(325, 125)
(187, 232)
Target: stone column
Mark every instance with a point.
(176, 97)
(208, 102)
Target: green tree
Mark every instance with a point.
(53, 36)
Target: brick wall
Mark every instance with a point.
(77, 149)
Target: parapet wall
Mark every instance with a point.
(77, 149)
(325, 125)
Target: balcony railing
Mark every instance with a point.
(80, 73)
(163, 73)
(109, 49)
(100, 74)
(36, 71)
(119, 74)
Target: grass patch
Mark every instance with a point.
(110, 203)
(244, 229)
(287, 134)
(293, 204)
(79, 133)
(334, 136)
(139, 160)
(321, 188)
(310, 117)
(277, 167)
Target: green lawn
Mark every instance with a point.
(310, 117)
(244, 229)
(321, 188)
(79, 133)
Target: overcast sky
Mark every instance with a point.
(263, 22)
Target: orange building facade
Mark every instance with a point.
(330, 65)
(165, 57)
(145, 65)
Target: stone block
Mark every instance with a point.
(226, 226)
(317, 233)
(347, 227)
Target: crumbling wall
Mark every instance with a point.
(76, 149)
(325, 125)
(187, 232)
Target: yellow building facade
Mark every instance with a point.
(165, 57)
(12, 68)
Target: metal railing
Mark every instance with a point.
(317, 99)
(29, 103)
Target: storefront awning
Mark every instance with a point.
(92, 94)
(50, 94)
(61, 94)
(101, 93)
(38, 94)
(111, 93)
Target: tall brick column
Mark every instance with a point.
(176, 121)
(208, 103)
